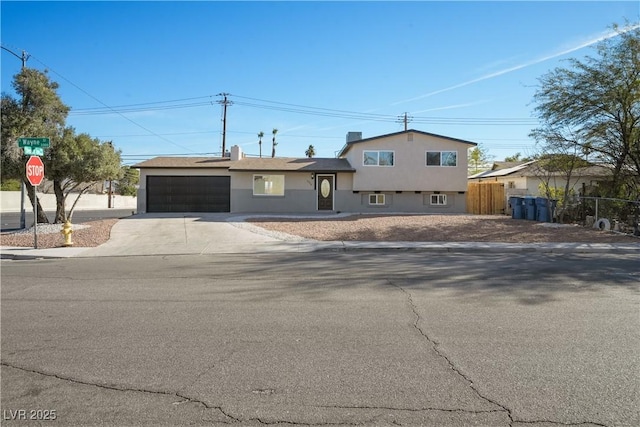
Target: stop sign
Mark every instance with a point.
(35, 170)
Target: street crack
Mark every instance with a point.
(436, 348)
(582, 423)
(178, 395)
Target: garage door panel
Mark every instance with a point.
(188, 194)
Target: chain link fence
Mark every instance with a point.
(617, 214)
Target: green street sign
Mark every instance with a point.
(33, 151)
(34, 142)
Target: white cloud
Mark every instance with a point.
(590, 41)
(451, 107)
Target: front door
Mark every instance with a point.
(325, 192)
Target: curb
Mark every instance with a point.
(483, 248)
(372, 247)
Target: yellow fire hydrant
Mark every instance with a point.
(66, 231)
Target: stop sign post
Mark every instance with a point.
(35, 175)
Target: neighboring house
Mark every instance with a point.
(525, 179)
(409, 171)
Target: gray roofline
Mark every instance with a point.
(239, 165)
(294, 170)
(348, 145)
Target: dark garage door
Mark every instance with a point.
(188, 194)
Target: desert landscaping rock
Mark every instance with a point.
(437, 228)
(87, 235)
(372, 228)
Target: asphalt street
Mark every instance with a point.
(361, 338)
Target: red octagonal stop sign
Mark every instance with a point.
(35, 170)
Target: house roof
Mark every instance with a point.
(184, 162)
(502, 172)
(505, 165)
(284, 164)
(348, 145)
(250, 164)
(528, 169)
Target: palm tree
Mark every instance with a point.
(260, 135)
(310, 152)
(274, 143)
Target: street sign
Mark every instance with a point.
(33, 151)
(35, 170)
(34, 142)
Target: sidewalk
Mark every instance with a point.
(157, 235)
(21, 253)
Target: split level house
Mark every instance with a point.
(408, 171)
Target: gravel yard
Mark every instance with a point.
(437, 228)
(86, 235)
(393, 228)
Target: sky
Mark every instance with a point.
(147, 75)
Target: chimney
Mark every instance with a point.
(353, 136)
(236, 153)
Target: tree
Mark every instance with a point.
(594, 106)
(559, 172)
(260, 135)
(273, 143)
(310, 152)
(73, 162)
(76, 163)
(517, 158)
(514, 158)
(478, 159)
(126, 185)
(39, 113)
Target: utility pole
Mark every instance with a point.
(224, 103)
(23, 58)
(405, 118)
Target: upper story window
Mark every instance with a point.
(378, 158)
(268, 185)
(442, 158)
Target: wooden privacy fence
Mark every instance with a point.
(485, 198)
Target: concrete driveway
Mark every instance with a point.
(188, 234)
(217, 233)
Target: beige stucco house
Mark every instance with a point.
(408, 171)
(527, 179)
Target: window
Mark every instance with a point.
(378, 158)
(268, 185)
(376, 199)
(442, 158)
(439, 199)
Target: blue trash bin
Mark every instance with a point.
(517, 208)
(530, 208)
(542, 209)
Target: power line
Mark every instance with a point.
(405, 118)
(304, 109)
(107, 106)
(109, 110)
(165, 155)
(89, 109)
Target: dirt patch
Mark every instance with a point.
(438, 228)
